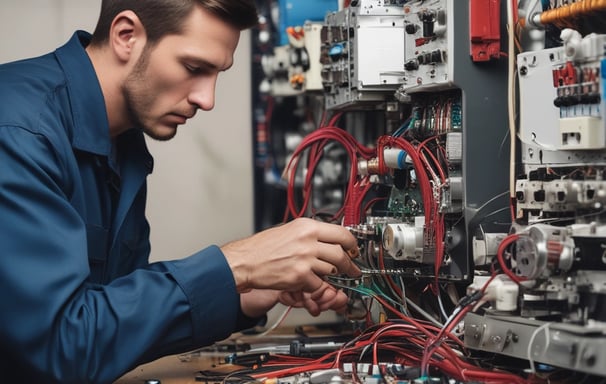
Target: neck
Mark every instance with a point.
(110, 76)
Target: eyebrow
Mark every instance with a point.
(207, 64)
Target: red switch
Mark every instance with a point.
(485, 29)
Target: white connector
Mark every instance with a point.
(502, 292)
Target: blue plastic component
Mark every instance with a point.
(402, 160)
(297, 12)
(336, 51)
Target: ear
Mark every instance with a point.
(127, 36)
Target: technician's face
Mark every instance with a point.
(174, 78)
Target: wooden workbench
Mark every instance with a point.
(182, 369)
(179, 369)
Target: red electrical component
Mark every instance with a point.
(484, 30)
(566, 75)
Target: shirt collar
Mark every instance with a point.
(91, 127)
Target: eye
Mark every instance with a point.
(193, 69)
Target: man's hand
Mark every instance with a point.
(295, 258)
(325, 298)
(257, 302)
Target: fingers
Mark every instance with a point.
(352, 252)
(335, 247)
(325, 298)
(322, 292)
(293, 299)
(336, 256)
(323, 268)
(300, 300)
(340, 247)
(331, 299)
(314, 281)
(336, 234)
(336, 300)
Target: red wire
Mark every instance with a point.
(333, 121)
(514, 5)
(391, 337)
(424, 185)
(512, 207)
(438, 218)
(314, 143)
(353, 206)
(434, 220)
(423, 147)
(373, 202)
(507, 241)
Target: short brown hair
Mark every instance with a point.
(164, 17)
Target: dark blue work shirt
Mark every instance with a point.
(80, 303)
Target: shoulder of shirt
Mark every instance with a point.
(33, 92)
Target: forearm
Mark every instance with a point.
(109, 329)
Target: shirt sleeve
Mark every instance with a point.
(55, 326)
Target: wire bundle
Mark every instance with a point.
(426, 344)
(315, 145)
(404, 341)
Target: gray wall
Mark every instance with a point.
(201, 190)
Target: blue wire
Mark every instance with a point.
(407, 124)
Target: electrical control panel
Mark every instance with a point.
(463, 143)
(429, 40)
(556, 245)
(362, 53)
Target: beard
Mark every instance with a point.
(138, 99)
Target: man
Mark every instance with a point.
(80, 301)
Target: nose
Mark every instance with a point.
(202, 94)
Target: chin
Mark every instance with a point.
(161, 133)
